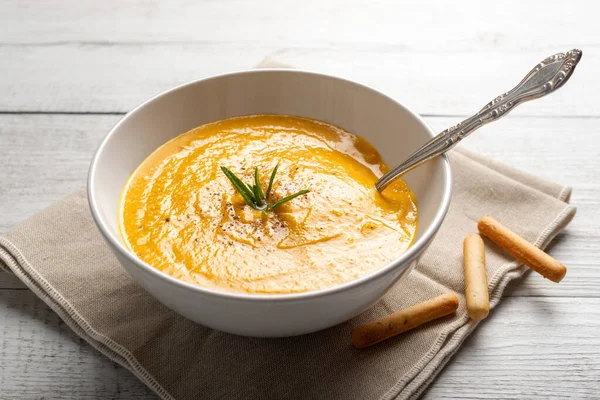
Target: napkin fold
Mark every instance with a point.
(60, 255)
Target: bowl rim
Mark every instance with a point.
(417, 247)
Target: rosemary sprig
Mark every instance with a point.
(241, 188)
(271, 179)
(258, 192)
(254, 196)
(286, 199)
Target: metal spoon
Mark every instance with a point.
(545, 78)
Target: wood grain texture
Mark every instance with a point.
(430, 26)
(43, 359)
(109, 58)
(44, 158)
(116, 78)
(528, 348)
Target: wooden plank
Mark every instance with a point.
(108, 78)
(529, 348)
(117, 77)
(45, 157)
(40, 355)
(430, 26)
(10, 282)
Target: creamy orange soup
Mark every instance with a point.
(180, 213)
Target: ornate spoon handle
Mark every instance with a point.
(545, 78)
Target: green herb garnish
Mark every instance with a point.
(253, 194)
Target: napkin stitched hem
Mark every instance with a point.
(565, 193)
(45, 291)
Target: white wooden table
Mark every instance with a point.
(70, 69)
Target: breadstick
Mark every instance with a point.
(476, 285)
(522, 250)
(404, 320)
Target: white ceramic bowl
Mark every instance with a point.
(392, 128)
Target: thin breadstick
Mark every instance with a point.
(404, 320)
(521, 249)
(476, 285)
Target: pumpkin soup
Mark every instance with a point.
(180, 212)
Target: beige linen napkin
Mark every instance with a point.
(60, 255)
